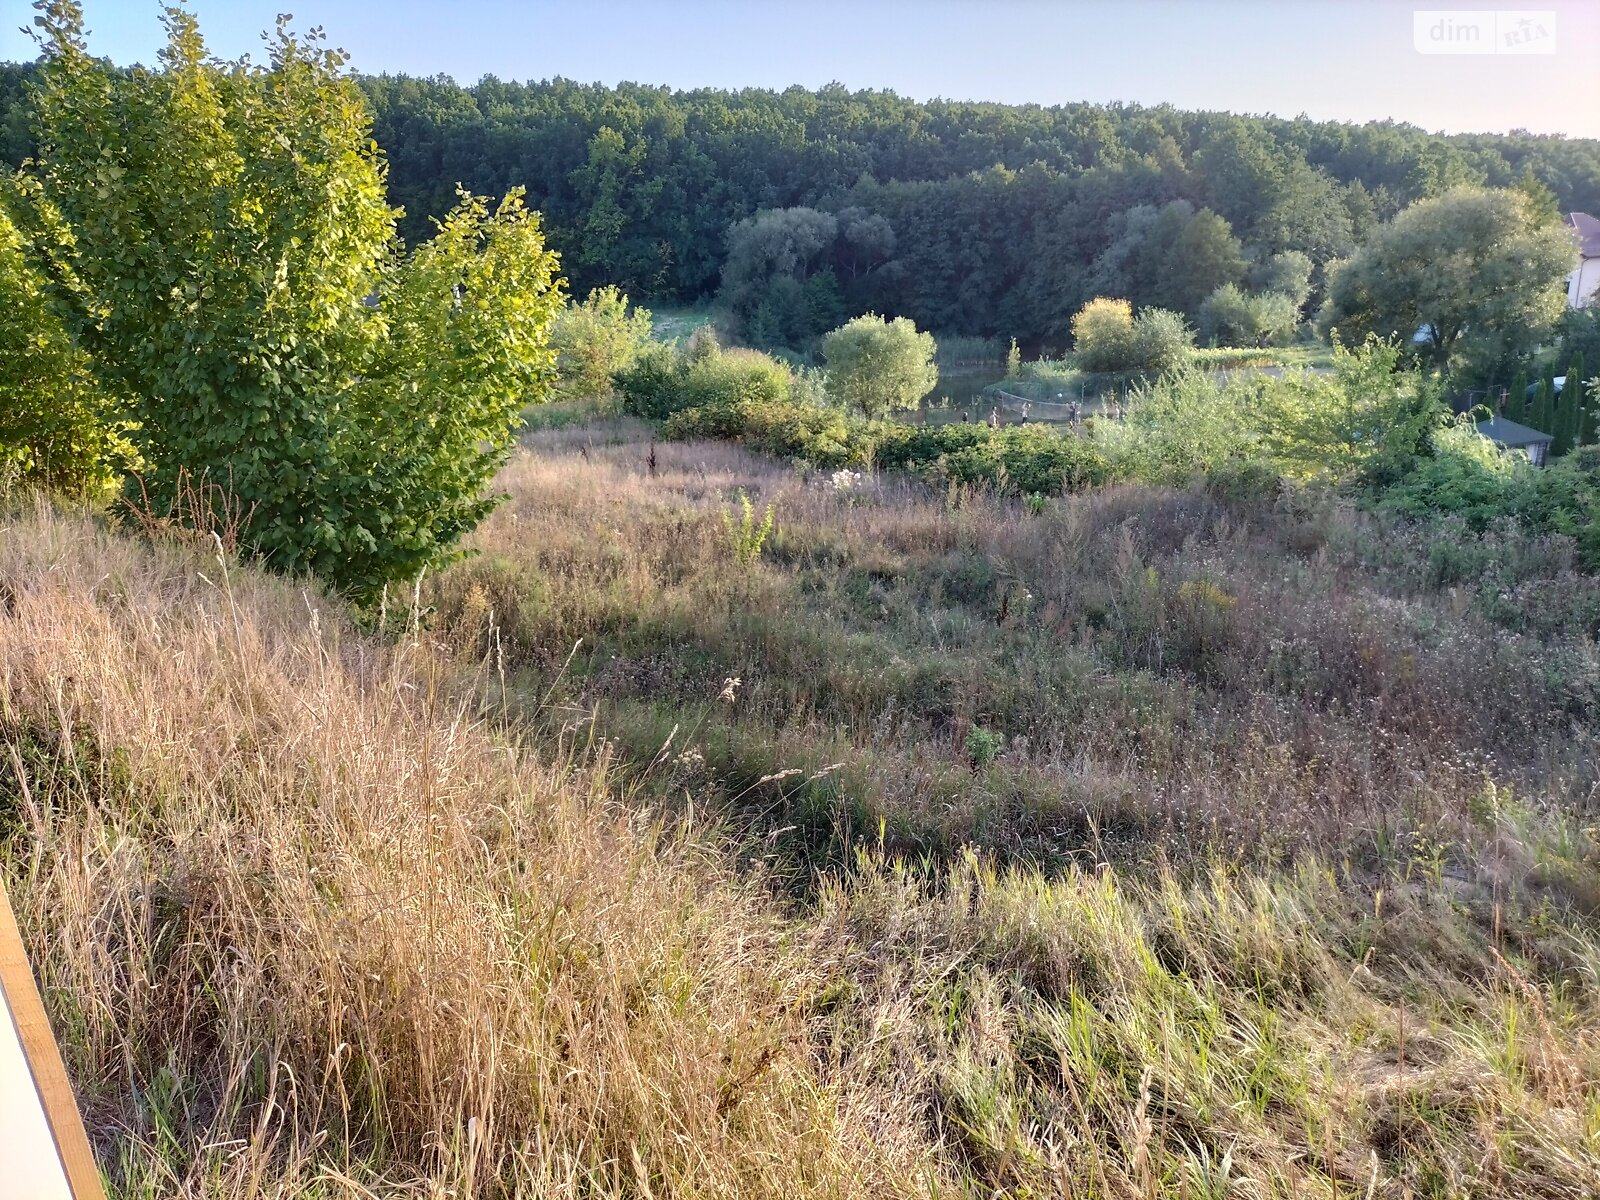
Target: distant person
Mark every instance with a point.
(994, 417)
(966, 415)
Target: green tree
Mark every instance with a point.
(57, 429)
(1287, 273)
(1204, 256)
(1107, 337)
(1102, 334)
(218, 240)
(1517, 401)
(1473, 266)
(596, 340)
(1569, 415)
(771, 255)
(876, 365)
(1172, 257)
(1578, 397)
(1162, 341)
(1234, 317)
(1541, 411)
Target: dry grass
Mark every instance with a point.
(1282, 884)
(306, 927)
(1167, 669)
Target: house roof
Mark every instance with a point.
(1511, 435)
(1588, 230)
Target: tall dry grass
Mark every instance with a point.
(1172, 672)
(307, 926)
(323, 914)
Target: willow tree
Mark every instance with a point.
(218, 239)
(1475, 274)
(876, 365)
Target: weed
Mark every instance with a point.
(746, 534)
(982, 746)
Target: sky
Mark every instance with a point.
(1330, 59)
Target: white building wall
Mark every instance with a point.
(1583, 285)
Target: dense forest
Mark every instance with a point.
(970, 218)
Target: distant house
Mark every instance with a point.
(1509, 435)
(1583, 285)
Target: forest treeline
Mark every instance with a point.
(975, 218)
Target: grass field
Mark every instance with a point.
(1137, 844)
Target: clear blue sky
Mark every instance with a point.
(1332, 59)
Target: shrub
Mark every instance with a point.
(1102, 334)
(1026, 459)
(650, 387)
(214, 234)
(665, 380)
(877, 366)
(1107, 338)
(56, 426)
(1468, 479)
(597, 339)
(1161, 342)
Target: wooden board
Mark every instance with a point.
(44, 1154)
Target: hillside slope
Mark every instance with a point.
(319, 913)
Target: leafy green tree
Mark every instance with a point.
(597, 339)
(1108, 338)
(1517, 401)
(770, 257)
(876, 365)
(1286, 273)
(1102, 334)
(1204, 256)
(217, 238)
(57, 429)
(1162, 341)
(1472, 267)
(1234, 317)
(1172, 257)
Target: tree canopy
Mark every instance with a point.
(1488, 262)
(876, 365)
(217, 240)
(998, 213)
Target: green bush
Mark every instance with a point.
(56, 427)
(1026, 460)
(665, 379)
(597, 339)
(218, 240)
(650, 387)
(1161, 342)
(1021, 459)
(1108, 339)
(1468, 479)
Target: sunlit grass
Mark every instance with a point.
(630, 865)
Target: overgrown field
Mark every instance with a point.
(1142, 843)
